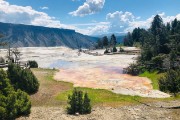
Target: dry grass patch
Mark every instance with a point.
(48, 89)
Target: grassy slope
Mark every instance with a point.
(153, 76)
(103, 97)
(53, 93)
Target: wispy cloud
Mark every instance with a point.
(91, 24)
(44, 8)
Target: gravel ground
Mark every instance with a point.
(139, 112)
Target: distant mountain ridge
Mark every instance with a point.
(19, 35)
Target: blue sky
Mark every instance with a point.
(91, 17)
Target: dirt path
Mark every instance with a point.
(139, 112)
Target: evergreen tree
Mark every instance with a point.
(160, 36)
(100, 43)
(168, 27)
(105, 41)
(129, 39)
(136, 34)
(172, 59)
(125, 41)
(113, 41)
(12, 103)
(78, 103)
(174, 25)
(114, 49)
(156, 25)
(86, 104)
(22, 79)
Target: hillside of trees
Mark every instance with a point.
(160, 50)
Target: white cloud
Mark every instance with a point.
(44, 8)
(89, 7)
(119, 20)
(93, 28)
(126, 22)
(98, 29)
(116, 22)
(27, 15)
(147, 23)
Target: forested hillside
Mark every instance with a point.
(160, 51)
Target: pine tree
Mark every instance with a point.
(105, 41)
(86, 104)
(160, 36)
(12, 103)
(113, 41)
(22, 79)
(174, 25)
(78, 103)
(100, 44)
(114, 49)
(129, 41)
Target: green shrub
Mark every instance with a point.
(133, 69)
(121, 49)
(5, 86)
(33, 64)
(22, 79)
(79, 103)
(14, 72)
(157, 61)
(23, 104)
(170, 82)
(29, 82)
(114, 49)
(12, 103)
(106, 51)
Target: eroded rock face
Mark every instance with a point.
(36, 36)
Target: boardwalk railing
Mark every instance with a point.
(21, 64)
(3, 65)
